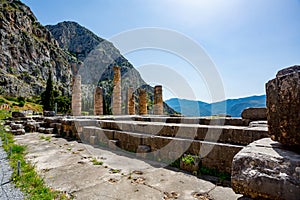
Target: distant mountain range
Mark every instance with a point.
(232, 107)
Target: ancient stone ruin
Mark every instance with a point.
(76, 96)
(271, 169)
(143, 102)
(283, 102)
(116, 100)
(98, 101)
(130, 102)
(158, 100)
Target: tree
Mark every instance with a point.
(48, 95)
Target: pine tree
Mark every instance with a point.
(48, 96)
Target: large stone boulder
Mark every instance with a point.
(255, 114)
(283, 106)
(264, 169)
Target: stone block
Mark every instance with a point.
(283, 105)
(113, 144)
(17, 114)
(93, 140)
(264, 169)
(20, 132)
(104, 136)
(41, 129)
(255, 114)
(16, 126)
(48, 130)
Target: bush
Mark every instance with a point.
(21, 103)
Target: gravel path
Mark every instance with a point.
(7, 189)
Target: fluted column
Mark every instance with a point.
(98, 101)
(117, 101)
(130, 102)
(158, 100)
(143, 102)
(76, 96)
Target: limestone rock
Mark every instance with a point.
(31, 127)
(17, 114)
(16, 126)
(49, 113)
(283, 102)
(264, 169)
(27, 51)
(255, 114)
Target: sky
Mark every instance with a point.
(247, 41)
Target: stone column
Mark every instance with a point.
(76, 96)
(130, 102)
(143, 102)
(158, 100)
(283, 106)
(117, 101)
(98, 101)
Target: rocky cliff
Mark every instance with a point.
(27, 52)
(98, 56)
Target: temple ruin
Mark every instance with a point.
(117, 98)
(143, 102)
(76, 96)
(158, 100)
(98, 101)
(130, 102)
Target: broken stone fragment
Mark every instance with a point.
(264, 169)
(283, 106)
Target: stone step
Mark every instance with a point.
(181, 120)
(217, 156)
(213, 133)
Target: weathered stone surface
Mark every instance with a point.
(98, 101)
(130, 101)
(283, 102)
(28, 51)
(17, 114)
(76, 96)
(49, 113)
(20, 132)
(31, 127)
(265, 170)
(255, 114)
(48, 130)
(143, 102)
(41, 129)
(16, 126)
(158, 100)
(258, 124)
(117, 98)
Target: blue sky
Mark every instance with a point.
(247, 40)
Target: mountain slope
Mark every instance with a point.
(234, 107)
(27, 52)
(98, 56)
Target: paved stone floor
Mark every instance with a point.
(67, 166)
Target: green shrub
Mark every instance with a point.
(21, 103)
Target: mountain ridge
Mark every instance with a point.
(232, 107)
(98, 56)
(28, 51)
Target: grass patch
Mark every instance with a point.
(115, 171)
(96, 162)
(48, 138)
(29, 182)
